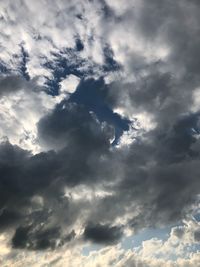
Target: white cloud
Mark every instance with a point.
(20, 113)
(69, 84)
(196, 100)
(114, 256)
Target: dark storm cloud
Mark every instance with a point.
(81, 142)
(102, 234)
(32, 238)
(39, 239)
(155, 180)
(23, 177)
(23, 174)
(160, 176)
(72, 125)
(172, 152)
(12, 160)
(8, 218)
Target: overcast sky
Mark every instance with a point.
(100, 133)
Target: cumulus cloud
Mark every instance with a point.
(99, 128)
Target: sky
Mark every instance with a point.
(100, 133)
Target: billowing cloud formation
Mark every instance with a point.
(99, 128)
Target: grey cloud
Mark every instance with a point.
(10, 84)
(102, 234)
(165, 91)
(152, 182)
(164, 191)
(39, 239)
(71, 125)
(160, 177)
(156, 93)
(8, 218)
(197, 236)
(179, 232)
(23, 176)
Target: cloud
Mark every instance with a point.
(34, 239)
(148, 254)
(99, 128)
(10, 84)
(22, 104)
(69, 121)
(102, 234)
